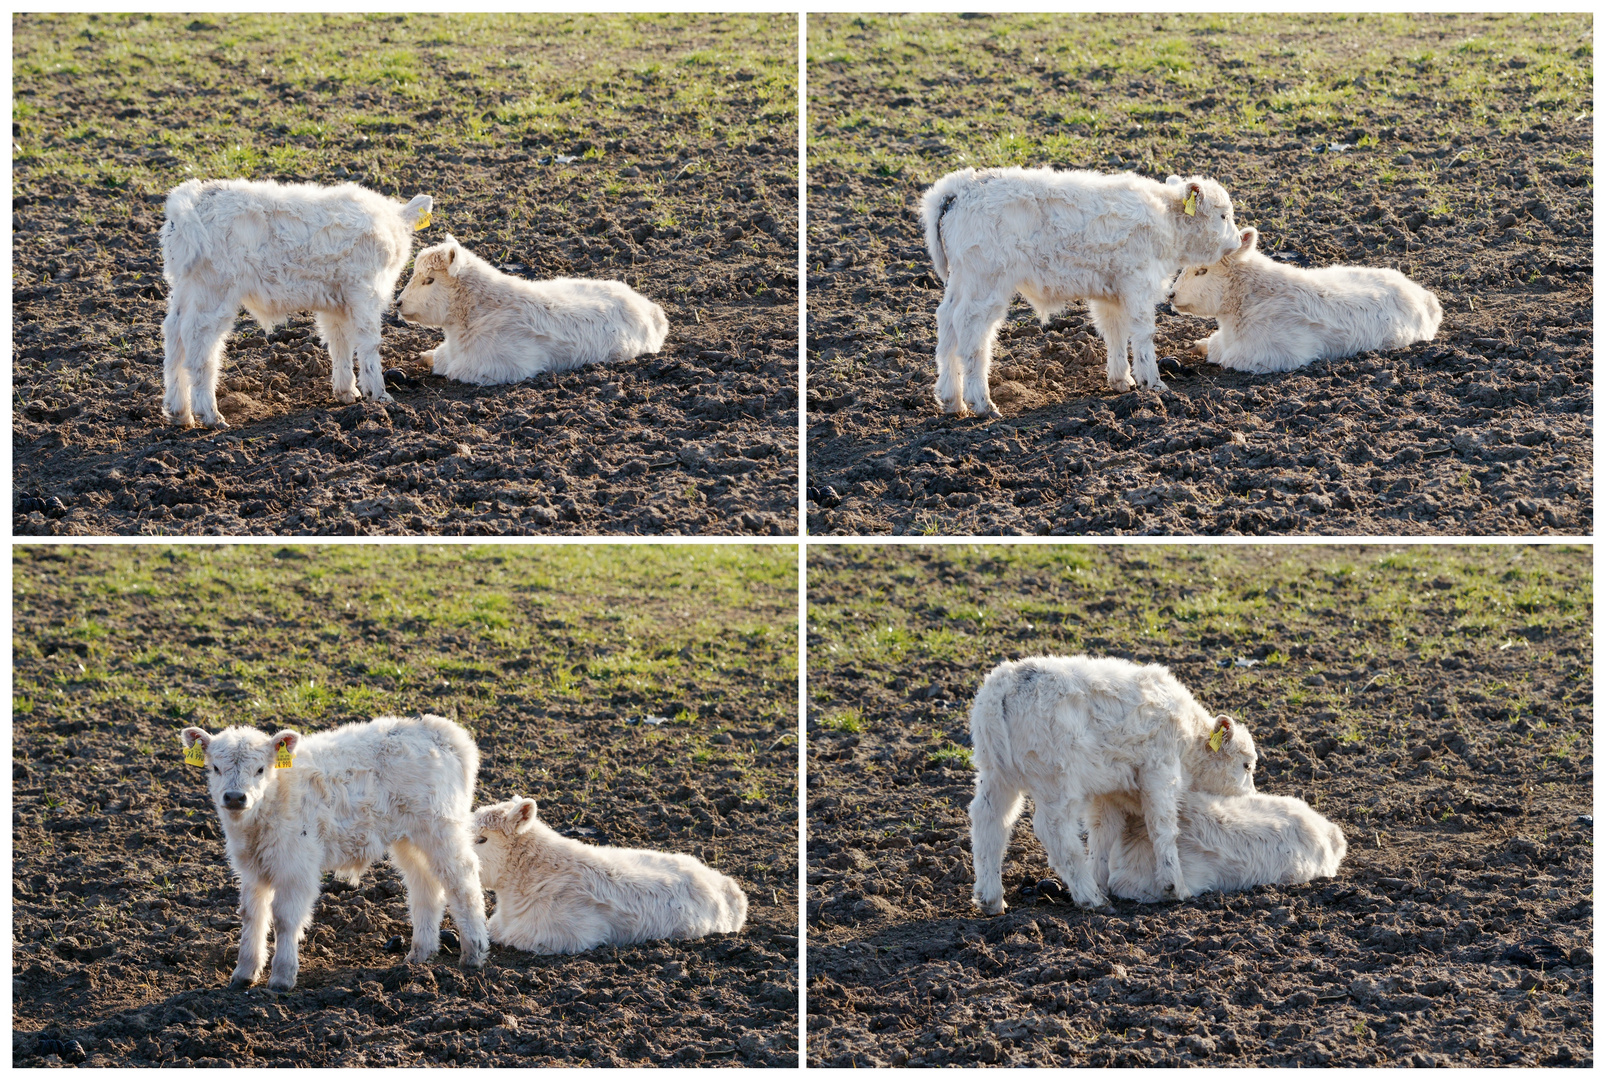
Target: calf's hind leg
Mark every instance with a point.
(1065, 829)
(457, 872)
(426, 899)
(993, 812)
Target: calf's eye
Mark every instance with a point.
(259, 772)
(429, 281)
(1202, 271)
(482, 839)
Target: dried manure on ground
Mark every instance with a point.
(125, 915)
(1433, 703)
(1456, 149)
(659, 151)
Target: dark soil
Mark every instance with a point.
(1458, 930)
(124, 912)
(698, 439)
(1486, 430)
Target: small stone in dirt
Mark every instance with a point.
(450, 940)
(397, 377)
(674, 969)
(724, 738)
(1171, 366)
(1404, 159)
(630, 171)
(734, 233)
(396, 945)
(1049, 887)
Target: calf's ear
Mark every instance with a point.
(287, 740)
(193, 735)
(1221, 734)
(1250, 241)
(523, 813)
(453, 256)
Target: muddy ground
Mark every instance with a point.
(125, 925)
(684, 186)
(1446, 726)
(1463, 163)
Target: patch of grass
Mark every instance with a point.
(292, 95)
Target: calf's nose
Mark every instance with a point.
(234, 800)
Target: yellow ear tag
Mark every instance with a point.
(282, 761)
(1189, 205)
(1217, 739)
(195, 754)
(423, 223)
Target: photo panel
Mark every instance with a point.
(1405, 880)
(553, 256)
(1200, 274)
(603, 738)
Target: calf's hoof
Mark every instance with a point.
(1095, 902)
(240, 982)
(990, 905)
(345, 397)
(475, 951)
(1200, 347)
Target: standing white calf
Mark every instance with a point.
(502, 329)
(348, 796)
(1069, 730)
(276, 249)
(1227, 843)
(556, 895)
(1053, 237)
(1275, 317)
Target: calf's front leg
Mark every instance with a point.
(1159, 795)
(292, 911)
(256, 906)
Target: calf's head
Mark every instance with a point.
(1222, 761)
(1202, 212)
(495, 827)
(427, 296)
(239, 765)
(1207, 291)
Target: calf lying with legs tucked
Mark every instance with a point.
(1054, 237)
(1226, 843)
(1275, 317)
(1069, 730)
(556, 895)
(276, 249)
(502, 329)
(294, 806)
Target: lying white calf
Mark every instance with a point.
(1275, 317)
(294, 806)
(1053, 237)
(556, 895)
(1227, 843)
(502, 329)
(1069, 730)
(276, 249)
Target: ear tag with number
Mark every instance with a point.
(1189, 205)
(195, 754)
(423, 221)
(1217, 739)
(282, 760)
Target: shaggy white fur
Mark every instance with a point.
(1069, 730)
(1053, 237)
(1275, 317)
(405, 786)
(276, 249)
(502, 329)
(1227, 843)
(556, 895)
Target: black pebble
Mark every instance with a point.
(1049, 887)
(449, 940)
(397, 377)
(1169, 365)
(396, 945)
